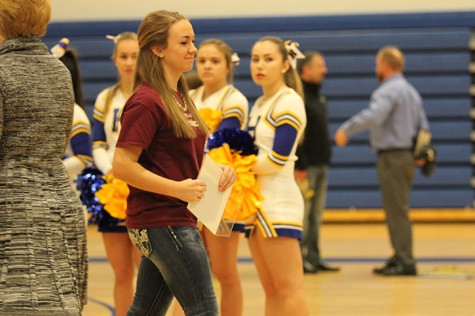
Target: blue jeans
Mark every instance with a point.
(317, 176)
(174, 263)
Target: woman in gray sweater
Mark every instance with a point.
(43, 259)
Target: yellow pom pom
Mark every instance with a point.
(245, 196)
(211, 117)
(113, 195)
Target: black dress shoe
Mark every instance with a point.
(391, 262)
(397, 269)
(309, 268)
(324, 267)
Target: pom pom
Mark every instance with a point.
(211, 117)
(238, 140)
(245, 197)
(235, 148)
(88, 183)
(113, 195)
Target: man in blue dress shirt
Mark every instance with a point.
(394, 116)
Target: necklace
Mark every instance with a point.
(180, 100)
(182, 105)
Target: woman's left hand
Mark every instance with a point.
(227, 178)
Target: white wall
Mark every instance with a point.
(69, 10)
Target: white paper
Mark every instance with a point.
(209, 210)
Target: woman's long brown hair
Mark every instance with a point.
(154, 31)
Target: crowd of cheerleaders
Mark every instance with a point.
(106, 197)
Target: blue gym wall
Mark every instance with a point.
(437, 48)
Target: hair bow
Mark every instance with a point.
(112, 38)
(293, 53)
(235, 59)
(59, 49)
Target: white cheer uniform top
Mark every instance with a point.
(283, 205)
(228, 99)
(104, 145)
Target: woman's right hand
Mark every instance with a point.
(191, 190)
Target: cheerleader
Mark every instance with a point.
(222, 106)
(78, 153)
(277, 121)
(122, 255)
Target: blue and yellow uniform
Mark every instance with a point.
(78, 153)
(106, 130)
(277, 124)
(229, 101)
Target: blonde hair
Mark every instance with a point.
(113, 90)
(223, 48)
(392, 56)
(291, 77)
(24, 18)
(153, 31)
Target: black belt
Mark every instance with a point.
(391, 150)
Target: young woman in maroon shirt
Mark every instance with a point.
(159, 154)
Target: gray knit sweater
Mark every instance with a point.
(43, 259)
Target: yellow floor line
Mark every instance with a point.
(416, 215)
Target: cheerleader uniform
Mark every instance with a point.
(229, 100)
(78, 153)
(106, 130)
(277, 124)
(234, 108)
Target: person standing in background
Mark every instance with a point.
(122, 255)
(277, 121)
(43, 252)
(214, 66)
(159, 154)
(314, 156)
(394, 117)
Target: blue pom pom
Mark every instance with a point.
(238, 140)
(88, 183)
